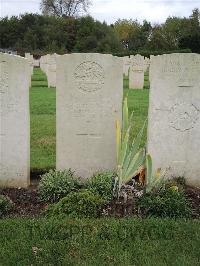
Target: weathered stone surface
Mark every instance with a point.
(174, 115)
(51, 70)
(30, 59)
(146, 64)
(126, 65)
(136, 73)
(44, 61)
(14, 121)
(89, 98)
(36, 62)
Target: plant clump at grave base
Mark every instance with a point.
(6, 205)
(55, 185)
(102, 185)
(82, 204)
(166, 203)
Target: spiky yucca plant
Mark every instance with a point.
(129, 156)
(153, 182)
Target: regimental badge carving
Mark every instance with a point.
(183, 116)
(89, 76)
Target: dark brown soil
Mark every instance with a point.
(27, 203)
(25, 200)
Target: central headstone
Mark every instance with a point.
(174, 115)
(14, 121)
(136, 73)
(89, 98)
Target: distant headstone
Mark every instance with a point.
(51, 70)
(146, 63)
(136, 73)
(89, 98)
(36, 62)
(126, 65)
(44, 61)
(174, 115)
(30, 59)
(14, 121)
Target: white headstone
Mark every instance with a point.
(89, 98)
(174, 115)
(146, 64)
(126, 65)
(44, 61)
(15, 123)
(136, 73)
(29, 57)
(36, 62)
(51, 71)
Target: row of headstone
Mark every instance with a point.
(89, 96)
(48, 65)
(134, 67)
(30, 60)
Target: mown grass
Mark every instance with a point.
(99, 242)
(43, 119)
(146, 80)
(39, 79)
(43, 123)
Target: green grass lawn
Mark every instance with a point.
(43, 123)
(99, 242)
(43, 119)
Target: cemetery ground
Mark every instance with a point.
(28, 239)
(99, 242)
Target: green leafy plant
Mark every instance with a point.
(102, 184)
(55, 185)
(129, 156)
(6, 205)
(165, 203)
(82, 204)
(153, 182)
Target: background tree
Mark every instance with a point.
(65, 8)
(125, 29)
(94, 36)
(132, 34)
(191, 34)
(40, 34)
